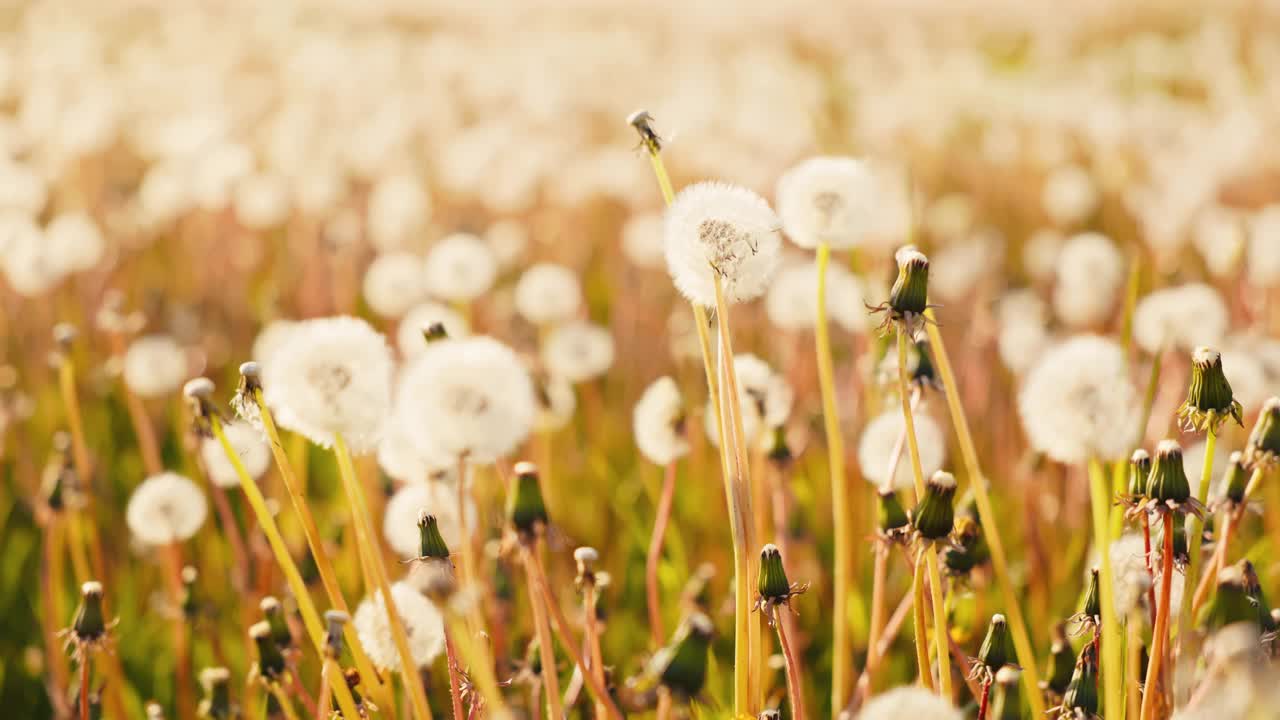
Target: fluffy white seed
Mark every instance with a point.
(913, 702)
(1069, 195)
(658, 421)
(400, 519)
(718, 230)
(548, 294)
(642, 240)
(1090, 274)
(578, 351)
(165, 508)
(249, 445)
(155, 365)
(1264, 247)
(460, 268)
(826, 200)
(399, 208)
(75, 241)
(766, 399)
(792, 300)
(393, 283)
(409, 335)
(1182, 317)
(876, 448)
(422, 624)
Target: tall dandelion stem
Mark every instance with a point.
(986, 513)
(1160, 636)
(654, 555)
(1197, 530)
(840, 639)
(795, 685)
(1112, 667)
(546, 648)
(917, 616)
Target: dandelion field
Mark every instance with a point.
(896, 360)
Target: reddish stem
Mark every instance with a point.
(982, 703)
(660, 522)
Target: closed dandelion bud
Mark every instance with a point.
(1007, 697)
(1168, 483)
(1081, 697)
(682, 665)
(1209, 399)
(910, 292)
(1231, 603)
(435, 331)
(997, 647)
(431, 543)
(216, 704)
(969, 548)
(773, 585)
(525, 507)
(1236, 479)
(1061, 662)
(273, 613)
(1139, 472)
(271, 664)
(934, 516)
(334, 621)
(1092, 597)
(89, 625)
(1264, 440)
(889, 510)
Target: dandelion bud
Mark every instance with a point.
(586, 557)
(773, 583)
(890, 513)
(89, 625)
(1139, 472)
(525, 507)
(681, 666)
(934, 516)
(969, 549)
(216, 704)
(997, 647)
(250, 376)
(435, 331)
(1168, 482)
(334, 621)
(910, 293)
(924, 374)
(1092, 597)
(1061, 662)
(1231, 603)
(271, 664)
(1081, 697)
(1209, 399)
(274, 615)
(1007, 698)
(1264, 440)
(1236, 479)
(431, 543)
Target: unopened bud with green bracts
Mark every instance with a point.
(1081, 696)
(216, 704)
(773, 586)
(273, 614)
(1230, 603)
(968, 549)
(934, 516)
(1263, 449)
(1139, 473)
(431, 544)
(1006, 703)
(1092, 597)
(1168, 488)
(526, 509)
(681, 666)
(893, 523)
(271, 663)
(1235, 480)
(1209, 399)
(90, 625)
(997, 648)
(910, 292)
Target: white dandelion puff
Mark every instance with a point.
(155, 365)
(508, 240)
(659, 422)
(399, 208)
(470, 398)
(642, 240)
(1069, 195)
(165, 508)
(1090, 274)
(262, 201)
(393, 283)
(1129, 568)
(1219, 237)
(956, 269)
(273, 336)
(460, 268)
(409, 335)
(75, 241)
(247, 442)
(1021, 343)
(1040, 253)
(548, 294)
(719, 230)
(423, 627)
(766, 399)
(826, 200)
(881, 435)
(792, 300)
(1182, 317)
(400, 455)
(332, 378)
(1264, 247)
(400, 519)
(1078, 402)
(29, 266)
(909, 701)
(578, 351)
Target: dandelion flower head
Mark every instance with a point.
(718, 230)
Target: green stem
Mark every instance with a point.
(917, 617)
(1197, 535)
(1112, 670)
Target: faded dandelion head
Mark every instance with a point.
(659, 422)
(578, 351)
(247, 442)
(410, 338)
(1078, 402)
(1129, 572)
(1182, 317)
(460, 268)
(154, 365)
(400, 518)
(909, 701)
(548, 294)
(792, 300)
(826, 200)
(882, 434)
(393, 283)
(423, 626)
(766, 398)
(75, 241)
(166, 508)
(332, 378)
(470, 398)
(1090, 276)
(718, 230)
(642, 240)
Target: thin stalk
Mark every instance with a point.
(840, 640)
(1149, 398)
(940, 631)
(324, 564)
(1231, 522)
(990, 528)
(654, 555)
(455, 682)
(466, 569)
(145, 433)
(877, 652)
(1196, 539)
(1151, 571)
(373, 560)
(1112, 669)
(81, 537)
(181, 641)
(283, 701)
(921, 632)
(84, 685)
(75, 422)
(591, 640)
(239, 556)
(1133, 670)
(795, 686)
(479, 661)
(984, 700)
(538, 605)
(1160, 635)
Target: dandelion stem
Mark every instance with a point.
(181, 641)
(51, 578)
(921, 632)
(455, 682)
(1149, 399)
(1133, 643)
(795, 684)
(1151, 570)
(1231, 522)
(987, 516)
(591, 639)
(654, 556)
(538, 605)
(84, 684)
(1160, 635)
(373, 561)
(1196, 539)
(984, 699)
(283, 701)
(479, 661)
(840, 639)
(148, 447)
(1112, 669)
(324, 565)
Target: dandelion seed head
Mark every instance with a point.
(423, 627)
(273, 336)
(409, 335)
(400, 518)
(247, 442)
(1078, 402)
(1181, 317)
(1129, 568)
(1090, 274)
(1264, 247)
(460, 268)
(642, 240)
(908, 701)
(1219, 236)
(958, 267)
(399, 208)
(578, 351)
(792, 300)
(468, 398)
(508, 240)
(75, 242)
(154, 365)
(1040, 253)
(165, 508)
(393, 283)
(332, 377)
(714, 229)
(29, 266)
(659, 422)
(766, 399)
(878, 439)
(262, 201)
(826, 200)
(1069, 195)
(548, 294)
